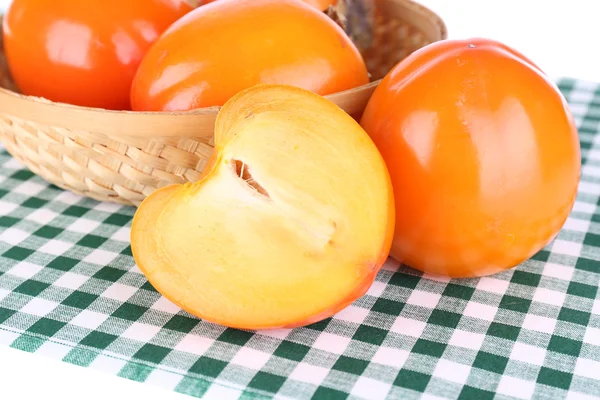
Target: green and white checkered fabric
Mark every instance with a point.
(69, 289)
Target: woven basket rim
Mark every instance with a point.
(197, 123)
(43, 102)
(179, 123)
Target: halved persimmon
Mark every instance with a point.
(290, 223)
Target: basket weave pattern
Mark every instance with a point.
(122, 157)
(94, 165)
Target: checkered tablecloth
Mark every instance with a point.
(69, 289)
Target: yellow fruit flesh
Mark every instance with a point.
(289, 222)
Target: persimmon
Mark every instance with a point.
(319, 4)
(290, 223)
(483, 153)
(217, 50)
(81, 52)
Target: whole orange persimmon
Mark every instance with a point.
(81, 52)
(220, 49)
(483, 153)
(320, 4)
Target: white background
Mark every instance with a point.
(561, 36)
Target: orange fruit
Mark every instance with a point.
(483, 153)
(289, 224)
(81, 52)
(220, 49)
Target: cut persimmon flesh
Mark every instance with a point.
(289, 224)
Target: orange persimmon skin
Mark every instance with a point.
(483, 155)
(319, 4)
(222, 48)
(80, 52)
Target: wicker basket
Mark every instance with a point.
(122, 157)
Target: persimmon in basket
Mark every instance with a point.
(224, 47)
(290, 223)
(83, 52)
(483, 153)
(319, 4)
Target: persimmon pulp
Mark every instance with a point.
(289, 224)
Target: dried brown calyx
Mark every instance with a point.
(357, 18)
